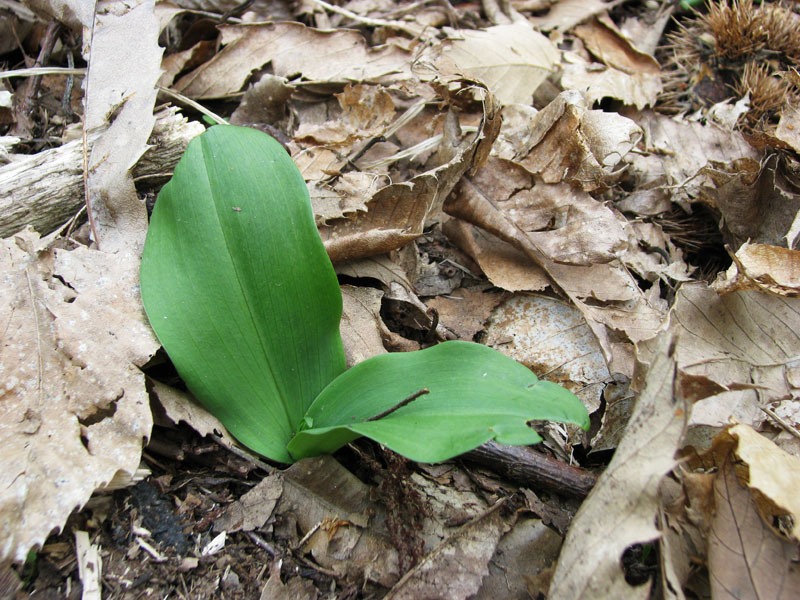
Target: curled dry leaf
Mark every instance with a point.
(74, 401)
(621, 509)
(566, 142)
(772, 474)
(292, 49)
(761, 267)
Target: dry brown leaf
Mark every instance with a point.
(677, 151)
(602, 38)
(565, 14)
(455, 568)
(73, 13)
(292, 49)
(396, 214)
(761, 267)
(187, 59)
(621, 509)
(465, 310)
(639, 90)
(744, 343)
(297, 588)
(124, 66)
(551, 338)
(756, 201)
(772, 475)
(264, 102)
(567, 142)
(556, 221)
(361, 326)
(74, 403)
(505, 266)
(788, 130)
(745, 559)
(350, 535)
(511, 60)
(253, 509)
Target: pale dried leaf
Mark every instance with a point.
(639, 89)
(455, 569)
(350, 538)
(761, 267)
(264, 102)
(253, 509)
(745, 559)
(788, 130)
(292, 49)
(565, 14)
(567, 142)
(74, 402)
(551, 338)
(73, 13)
(124, 65)
(743, 343)
(361, 327)
(773, 475)
(602, 38)
(465, 310)
(511, 60)
(621, 509)
(297, 588)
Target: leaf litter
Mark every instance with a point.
(459, 158)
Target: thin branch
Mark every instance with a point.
(399, 405)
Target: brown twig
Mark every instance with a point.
(526, 466)
(400, 405)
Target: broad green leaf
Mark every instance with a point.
(238, 288)
(476, 394)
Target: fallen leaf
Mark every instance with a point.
(551, 338)
(511, 60)
(297, 588)
(742, 343)
(565, 14)
(456, 567)
(253, 509)
(74, 400)
(361, 327)
(291, 49)
(772, 475)
(745, 559)
(621, 509)
(607, 43)
(762, 267)
(465, 310)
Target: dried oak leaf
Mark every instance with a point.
(73, 407)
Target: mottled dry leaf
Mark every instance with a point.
(556, 221)
(350, 537)
(397, 213)
(639, 90)
(602, 38)
(772, 475)
(361, 327)
(253, 509)
(677, 151)
(505, 266)
(292, 49)
(296, 588)
(455, 568)
(551, 338)
(567, 142)
(511, 60)
(264, 102)
(73, 13)
(788, 130)
(745, 344)
(761, 267)
(745, 559)
(124, 66)
(74, 407)
(465, 310)
(621, 509)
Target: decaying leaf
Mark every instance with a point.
(511, 60)
(762, 267)
(621, 509)
(457, 566)
(742, 343)
(74, 406)
(746, 560)
(290, 48)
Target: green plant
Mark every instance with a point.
(238, 287)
